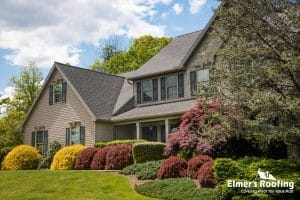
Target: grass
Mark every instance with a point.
(64, 185)
(176, 189)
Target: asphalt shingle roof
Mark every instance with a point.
(98, 90)
(155, 110)
(170, 58)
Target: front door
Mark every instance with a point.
(149, 133)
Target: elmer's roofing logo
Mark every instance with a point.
(264, 175)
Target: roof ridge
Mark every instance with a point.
(185, 34)
(67, 65)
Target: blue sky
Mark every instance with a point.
(70, 30)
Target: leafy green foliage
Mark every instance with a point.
(146, 170)
(147, 151)
(175, 189)
(116, 142)
(258, 67)
(226, 168)
(27, 86)
(22, 157)
(47, 160)
(141, 50)
(288, 170)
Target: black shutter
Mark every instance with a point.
(67, 137)
(64, 92)
(33, 139)
(138, 92)
(193, 82)
(51, 95)
(163, 88)
(82, 135)
(155, 89)
(180, 85)
(45, 143)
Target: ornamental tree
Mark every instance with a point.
(202, 129)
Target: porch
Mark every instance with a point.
(151, 130)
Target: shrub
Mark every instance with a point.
(85, 158)
(118, 157)
(22, 157)
(175, 189)
(47, 160)
(99, 159)
(65, 158)
(205, 175)
(195, 163)
(146, 170)
(147, 151)
(3, 152)
(116, 142)
(226, 168)
(172, 167)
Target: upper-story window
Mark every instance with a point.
(198, 78)
(57, 92)
(171, 86)
(147, 89)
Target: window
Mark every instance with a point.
(171, 86)
(75, 135)
(57, 92)
(147, 90)
(198, 79)
(39, 139)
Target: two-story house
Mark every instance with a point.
(80, 106)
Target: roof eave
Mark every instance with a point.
(175, 69)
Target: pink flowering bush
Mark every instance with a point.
(201, 129)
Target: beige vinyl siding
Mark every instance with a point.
(104, 131)
(56, 118)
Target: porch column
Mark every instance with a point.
(166, 129)
(138, 130)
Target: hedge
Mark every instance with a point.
(147, 151)
(85, 158)
(22, 157)
(173, 167)
(116, 142)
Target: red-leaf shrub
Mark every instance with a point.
(119, 157)
(99, 160)
(172, 167)
(195, 163)
(205, 175)
(85, 158)
(202, 127)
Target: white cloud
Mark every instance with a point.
(165, 15)
(196, 5)
(166, 2)
(7, 93)
(48, 31)
(177, 8)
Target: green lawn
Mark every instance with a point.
(58, 185)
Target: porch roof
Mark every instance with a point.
(153, 111)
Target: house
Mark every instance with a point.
(80, 106)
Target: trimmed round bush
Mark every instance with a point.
(99, 159)
(116, 142)
(47, 160)
(65, 158)
(85, 158)
(195, 163)
(226, 168)
(22, 157)
(172, 167)
(205, 175)
(119, 157)
(147, 151)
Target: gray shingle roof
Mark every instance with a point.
(170, 58)
(99, 91)
(158, 110)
